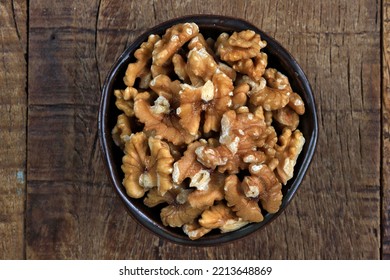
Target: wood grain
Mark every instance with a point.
(72, 210)
(13, 100)
(386, 131)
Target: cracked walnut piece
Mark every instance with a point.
(287, 152)
(277, 80)
(177, 215)
(221, 216)
(200, 66)
(122, 131)
(213, 98)
(262, 95)
(203, 198)
(165, 87)
(199, 42)
(173, 39)
(240, 45)
(188, 167)
(139, 69)
(160, 120)
(242, 51)
(253, 67)
(238, 137)
(125, 100)
(246, 208)
(194, 230)
(264, 185)
(143, 171)
(286, 117)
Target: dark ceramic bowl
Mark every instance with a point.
(210, 26)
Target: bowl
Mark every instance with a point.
(210, 25)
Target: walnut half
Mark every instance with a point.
(287, 152)
(143, 171)
(221, 216)
(245, 207)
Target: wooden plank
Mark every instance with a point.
(386, 130)
(343, 190)
(336, 213)
(72, 210)
(339, 203)
(13, 108)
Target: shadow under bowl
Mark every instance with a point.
(210, 26)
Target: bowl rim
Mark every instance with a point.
(103, 130)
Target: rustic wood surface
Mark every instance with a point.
(13, 120)
(56, 201)
(385, 164)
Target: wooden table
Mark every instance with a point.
(55, 198)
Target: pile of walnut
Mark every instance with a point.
(207, 129)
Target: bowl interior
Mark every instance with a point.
(210, 26)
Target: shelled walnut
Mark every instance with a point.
(209, 132)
